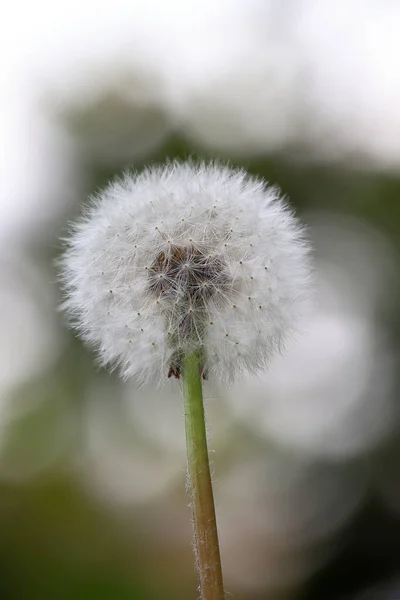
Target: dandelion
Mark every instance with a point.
(190, 271)
(187, 258)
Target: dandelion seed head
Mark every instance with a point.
(182, 258)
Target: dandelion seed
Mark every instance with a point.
(180, 290)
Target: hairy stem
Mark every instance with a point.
(208, 561)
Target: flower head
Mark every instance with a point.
(188, 257)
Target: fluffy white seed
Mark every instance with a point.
(188, 257)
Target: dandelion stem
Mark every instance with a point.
(208, 561)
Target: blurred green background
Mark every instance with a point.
(306, 459)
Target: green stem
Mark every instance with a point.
(208, 561)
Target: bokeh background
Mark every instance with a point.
(305, 457)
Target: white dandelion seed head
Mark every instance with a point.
(183, 258)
